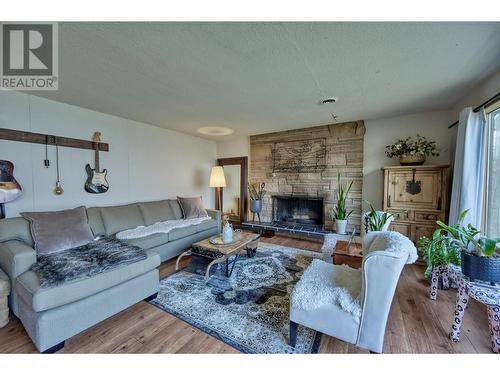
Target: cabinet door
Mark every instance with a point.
(402, 228)
(423, 191)
(419, 230)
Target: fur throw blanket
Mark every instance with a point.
(323, 284)
(160, 227)
(101, 255)
(392, 242)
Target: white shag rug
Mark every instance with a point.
(323, 284)
(160, 227)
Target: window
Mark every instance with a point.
(492, 212)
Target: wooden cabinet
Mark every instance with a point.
(417, 196)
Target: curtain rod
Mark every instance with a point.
(490, 100)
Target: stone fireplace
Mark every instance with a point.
(300, 167)
(300, 210)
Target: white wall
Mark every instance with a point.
(144, 162)
(233, 148)
(382, 132)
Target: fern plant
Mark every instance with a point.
(339, 212)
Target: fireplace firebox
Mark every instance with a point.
(298, 210)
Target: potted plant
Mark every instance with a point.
(377, 220)
(256, 192)
(412, 151)
(438, 251)
(479, 258)
(339, 212)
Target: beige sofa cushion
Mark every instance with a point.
(118, 218)
(95, 221)
(176, 208)
(154, 212)
(178, 233)
(151, 241)
(15, 228)
(41, 299)
(206, 225)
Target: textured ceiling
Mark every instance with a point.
(262, 77)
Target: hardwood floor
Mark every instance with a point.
(416, 325)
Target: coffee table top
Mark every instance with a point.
(242, 239)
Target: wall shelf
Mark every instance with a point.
(29, 137)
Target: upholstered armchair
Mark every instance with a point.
(352, 304)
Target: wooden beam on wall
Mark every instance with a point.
(23, 136)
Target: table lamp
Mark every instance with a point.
(218, 181)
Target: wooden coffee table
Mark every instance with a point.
(243, 241)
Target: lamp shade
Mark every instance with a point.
(217, 178)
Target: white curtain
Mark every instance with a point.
(469, 168)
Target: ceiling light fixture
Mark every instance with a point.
(215, 130)
(331, 100)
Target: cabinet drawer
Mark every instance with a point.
(419, 230)
(401, 214)
(402, 228)
(426, 216)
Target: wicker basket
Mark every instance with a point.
(417, 159)
(485, 269)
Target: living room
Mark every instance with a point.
(249, 187)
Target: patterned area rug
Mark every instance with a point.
(249, 310)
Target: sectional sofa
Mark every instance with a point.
(52, 315)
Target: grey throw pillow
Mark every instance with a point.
(59, 230)
(192, 207)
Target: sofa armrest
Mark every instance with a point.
(216, 215)
(16, 258)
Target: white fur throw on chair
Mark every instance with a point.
(393, 242)
(324, 284)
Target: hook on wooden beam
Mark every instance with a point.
(29, 137)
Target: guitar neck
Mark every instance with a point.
(96, 166)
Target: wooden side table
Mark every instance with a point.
(4, 304)
(350, 253)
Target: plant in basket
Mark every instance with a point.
(438, 251)
(479, 257)
(411, 151)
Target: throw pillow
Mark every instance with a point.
(59, 230)
(192, 207)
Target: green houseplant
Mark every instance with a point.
(479, 258)
(438, 251)
(412, 151)
(377, 221)
(339, 212)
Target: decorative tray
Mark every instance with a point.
(217, 239)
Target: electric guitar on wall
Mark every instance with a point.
(96, 180)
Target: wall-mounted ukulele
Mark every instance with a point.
(96, 181)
